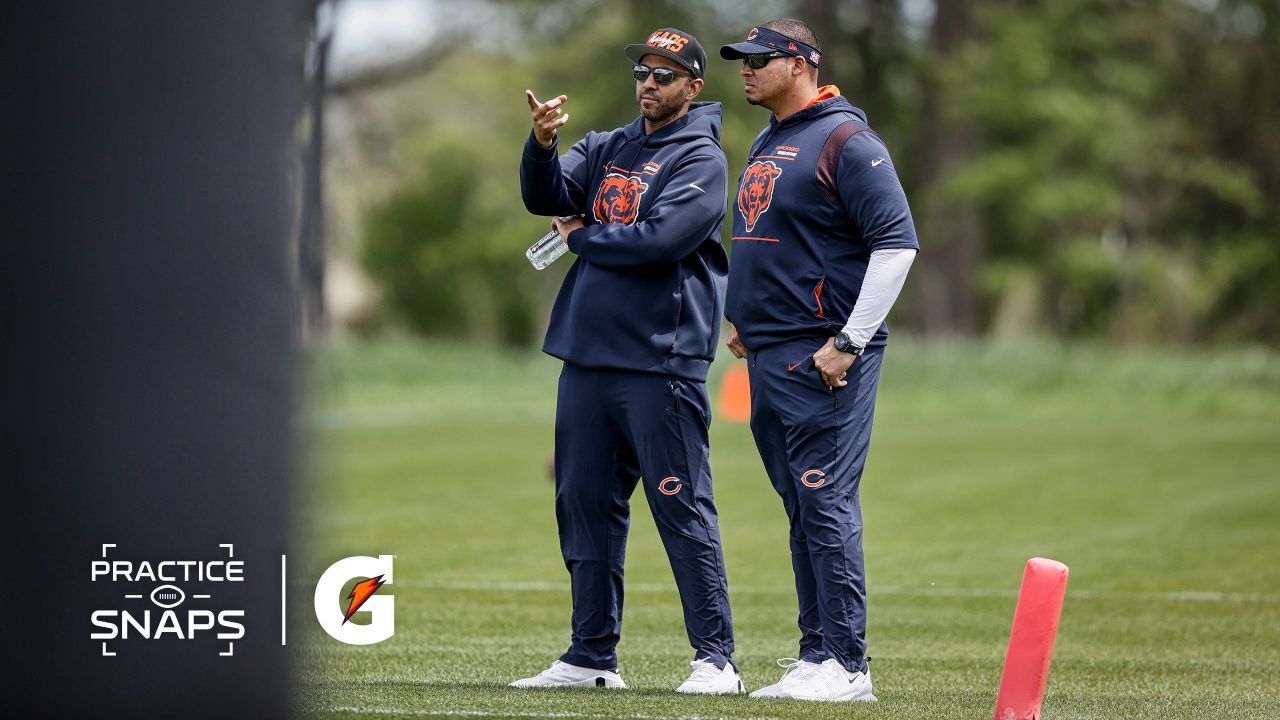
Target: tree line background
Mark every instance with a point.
(1099, 169)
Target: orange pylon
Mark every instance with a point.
(735, 394)
(1035, 627)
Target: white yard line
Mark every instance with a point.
(1174, 596)
(424, 712)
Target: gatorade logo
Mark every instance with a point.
(670, 486)
(382, 609)
(821, 478)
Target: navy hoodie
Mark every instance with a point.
(646, 291)
(817, 196)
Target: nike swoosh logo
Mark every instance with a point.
(793, 367)
(876, 162)
(695, 187)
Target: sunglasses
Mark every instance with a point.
(662, 76)
(755, 62)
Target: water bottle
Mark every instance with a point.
(548, 249)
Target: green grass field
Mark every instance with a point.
(1154, 475)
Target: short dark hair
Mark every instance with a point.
(796, 30)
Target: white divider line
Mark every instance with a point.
(425, 712)
(284, 592)
(1173, 596)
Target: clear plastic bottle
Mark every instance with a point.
(548, 249)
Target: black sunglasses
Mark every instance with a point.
(755, 62)
(662, 76)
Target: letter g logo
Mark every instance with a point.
(333, 611)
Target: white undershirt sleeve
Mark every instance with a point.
(886, 273)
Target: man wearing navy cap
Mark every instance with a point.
(636, 323)
(823, 240)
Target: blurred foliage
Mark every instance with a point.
(439, 249)
(1112, 163)
(1113, 168)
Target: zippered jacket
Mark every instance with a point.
(818, 195)
(646, 292)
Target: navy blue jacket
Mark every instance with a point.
(817, 196)
(646, 292)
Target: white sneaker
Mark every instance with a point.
(797, 671)
(707, 679)
(562, 674)
(833, 683)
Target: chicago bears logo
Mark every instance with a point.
(756, 192)
(819, 481)
(670, 486)
(618, 199)
(668, 40)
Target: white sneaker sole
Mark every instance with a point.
(770, 693)
(852, 698)
(740, 689)
(599, 681)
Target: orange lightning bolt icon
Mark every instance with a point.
(361, 592)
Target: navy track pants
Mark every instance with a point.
(612, 429)
(814, 442)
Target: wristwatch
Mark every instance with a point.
(844, 343)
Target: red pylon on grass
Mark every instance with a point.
(1035, 626)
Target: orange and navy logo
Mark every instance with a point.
(670, 486)
(819, 478)
(754, 32)
(618, 199)
(669, 40)
(756, 191)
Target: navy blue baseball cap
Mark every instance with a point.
(762, 40)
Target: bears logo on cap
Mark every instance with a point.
(754, 32)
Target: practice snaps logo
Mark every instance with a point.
(334, 614)
(168, 619)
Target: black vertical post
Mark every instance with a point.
(311, 238)
(147, 335)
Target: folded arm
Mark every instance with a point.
(687, 212)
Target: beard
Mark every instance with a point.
(663, 110)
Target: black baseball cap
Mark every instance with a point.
(762, 40)
(672, 43)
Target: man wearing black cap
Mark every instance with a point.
(823, 240)
(636, 324)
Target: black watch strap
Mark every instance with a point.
(844, 343)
